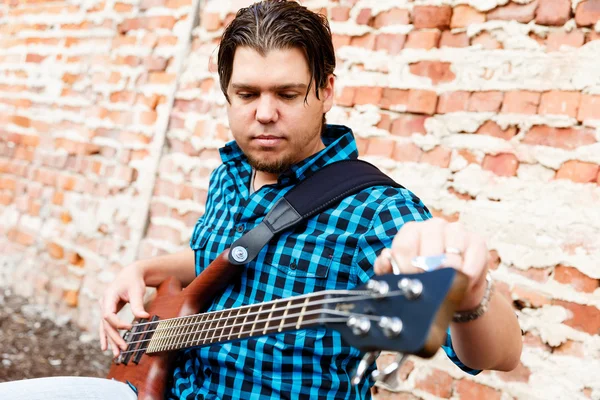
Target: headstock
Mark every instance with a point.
(407, 313)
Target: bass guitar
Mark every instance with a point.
(408, 314)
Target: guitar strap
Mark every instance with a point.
(320, 191)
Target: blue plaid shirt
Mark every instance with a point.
(334, 250)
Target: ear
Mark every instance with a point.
(328, 94)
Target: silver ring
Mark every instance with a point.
(392, 260)
(454, 250)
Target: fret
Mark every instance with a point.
(234, 324)
(191, 326)
(256, 319)
(287, 307)
(302, 311)
(221, 325)
(244, 323)
(174, 334)
(269, 319)
(199, 327)
(208, 329)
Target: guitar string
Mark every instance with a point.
(222, 335)
(284, 300)
(200, 324)
(356, 296)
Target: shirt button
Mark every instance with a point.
(240, 228)
(293, 265)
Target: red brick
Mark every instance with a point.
(395, 16)
(465, 15)
(486, 101)
(575, 278)
(520, 374)
(504, 164)
(521, 102)
(366, 41)
(407, 125)
(340, 41)
(437, 71)
(583, 318)
(570, 348)
(407, 152)
(394, 98)
(535, 274)
(469, 390)
(340, 13)
(469, 156)
(210, 21)
(453, 102)
(486, 41)
(425, 17)
(381, 147)
(578, 171)
(368, 95)
(422, 101)
(55, 250)
(147, 23)
(591, 36)
(561, 103)
(456, 40)
(438, 383)
(439, 157)
(529, 298)
(385, 122)
(491, 128)
(587, 13)
(589, 107)
(565, 138)
(514, 12)
(557, 39)
(392, 43)
(553, 12)
(364, 16)
(346, 98)
(423, 40)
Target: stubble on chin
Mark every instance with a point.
(277, 166)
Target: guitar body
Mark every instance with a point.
(150, 375)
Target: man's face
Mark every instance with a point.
(268, 117)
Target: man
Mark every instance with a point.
(276, 64)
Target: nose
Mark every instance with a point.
(266, 110)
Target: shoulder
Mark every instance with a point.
(386, 198)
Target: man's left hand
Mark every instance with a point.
(464, 251)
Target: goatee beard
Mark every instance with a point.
(274, 167)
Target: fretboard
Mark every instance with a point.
(237, 323)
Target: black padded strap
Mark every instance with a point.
(320, 191)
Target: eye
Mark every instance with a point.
(246, 96)
(288, 96)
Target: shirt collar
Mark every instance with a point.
(339, 145)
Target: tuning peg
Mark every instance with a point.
(360, 325)
(411, 288)
(368, 359)
(389, 371)
(380, 288)
(392, 327)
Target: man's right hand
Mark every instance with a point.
(128, 287)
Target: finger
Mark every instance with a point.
(405, 246)
(136, 301)
(115, 338)
(382, 263)
(102, 334)
(475, 260)
(455, 238)
(114, 348)
(111, 304)
(432, 237)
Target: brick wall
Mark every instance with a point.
(488, 110)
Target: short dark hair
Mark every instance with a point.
(279, 24)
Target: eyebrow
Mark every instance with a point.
(276, 88)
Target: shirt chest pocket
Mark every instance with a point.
(305, 262)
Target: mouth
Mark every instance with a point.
(268, 140)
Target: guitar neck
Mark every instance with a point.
(238, 323)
